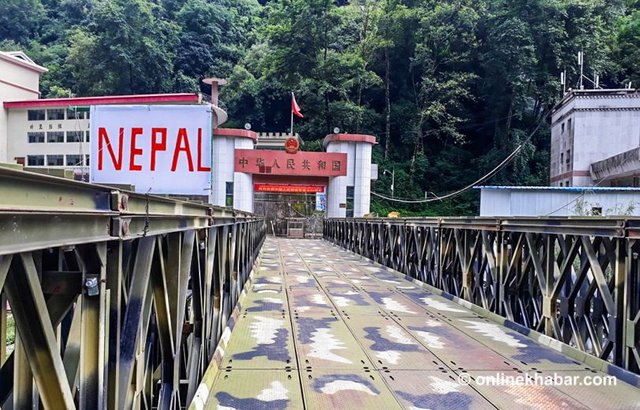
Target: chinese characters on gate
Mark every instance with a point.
(282, 163)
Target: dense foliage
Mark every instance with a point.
(449, 87)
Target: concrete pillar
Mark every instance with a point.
(225, 142)
(358, 150)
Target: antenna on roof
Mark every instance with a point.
(563, 81)
(581, 64)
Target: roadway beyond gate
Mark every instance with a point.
(321, 328)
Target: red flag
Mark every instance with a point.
(295, 109)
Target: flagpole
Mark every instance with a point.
(292, 114)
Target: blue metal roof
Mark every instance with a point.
(561, 188)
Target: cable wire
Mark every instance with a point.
(488, 175)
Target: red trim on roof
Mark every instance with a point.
(349, 138)
(106, 100)
(235, 132)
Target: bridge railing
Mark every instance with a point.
(118, 299)
(574, 279)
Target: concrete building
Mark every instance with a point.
(19, 80)
(53, 134)
(509, 201)
(595, 135)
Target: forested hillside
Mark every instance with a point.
(449, 87)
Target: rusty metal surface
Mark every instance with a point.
(321, 328)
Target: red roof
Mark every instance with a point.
(106, 100)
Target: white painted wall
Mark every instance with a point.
(223, 166)
(16, 83)
(358, 176)
(337, 188)
(559, 202)
(602, 125)
(243, 183)
(18, 144)
(362, 180)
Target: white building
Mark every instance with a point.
(558, 201)
(53, 134)
(19, 80)
(595, 135)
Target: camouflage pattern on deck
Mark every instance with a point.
(322, 328)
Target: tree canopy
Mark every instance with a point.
(449, 87)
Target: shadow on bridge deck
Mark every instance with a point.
(321, 328)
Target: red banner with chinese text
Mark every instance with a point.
(288, 189)
(269, 162)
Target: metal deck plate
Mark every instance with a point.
(260, 341)
(358, 335)
(256, 389)
(437, 390)
(347, 389)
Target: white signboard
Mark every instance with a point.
(162, 149)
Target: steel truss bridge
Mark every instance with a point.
(122, 300)
(118, 299)
(575, 280)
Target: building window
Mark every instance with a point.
(562, 128)
(35, 137)
(75, 114)
(349, 202)
(86, 160)
(55, 160)
(87, 136)
(74, 160)
(55, 136)
(55, 114)
(568, 159)
(35, 115)
(561, 161)
(568, 183)
(86, 115)
(228, 200)
(75, 136)
(35, 160)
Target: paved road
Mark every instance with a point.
(321, 328)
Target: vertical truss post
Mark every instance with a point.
(114, 285)
(133, 318)
(37, 336)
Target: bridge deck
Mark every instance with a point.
(321, 328)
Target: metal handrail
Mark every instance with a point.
(573, 279)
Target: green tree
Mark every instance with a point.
(126, 47)
(21, 20)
